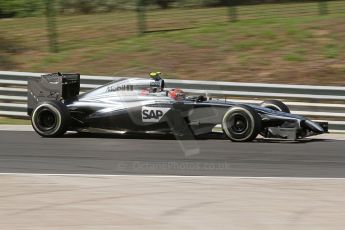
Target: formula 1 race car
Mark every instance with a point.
(143, 105)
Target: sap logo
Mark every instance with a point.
(153, 114)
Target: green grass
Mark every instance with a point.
(332, 51)
(280, 42)
(294, 57)
(12, 121)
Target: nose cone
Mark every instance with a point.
(314, 126)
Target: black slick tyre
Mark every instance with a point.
(50, 119)
(275, 105)
(241, 123)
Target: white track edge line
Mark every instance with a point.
(169, 176)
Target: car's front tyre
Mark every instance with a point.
(241, 123)
(50, 119)
(275, 105)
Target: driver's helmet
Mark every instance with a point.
(156, 76)
(177, 94)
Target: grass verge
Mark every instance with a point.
(272, 43)
(13, 121)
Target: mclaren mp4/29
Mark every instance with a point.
(144, 105)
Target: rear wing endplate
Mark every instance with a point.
(55, 86)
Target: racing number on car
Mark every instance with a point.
(153, 114)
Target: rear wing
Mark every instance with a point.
(55, 86)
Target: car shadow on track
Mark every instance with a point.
(302, 141)
(216, 136)
(210, 136)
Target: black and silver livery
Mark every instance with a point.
(143, 105)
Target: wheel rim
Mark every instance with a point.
(46, 120)
(238, 123)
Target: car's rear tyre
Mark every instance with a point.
(275, 105)
(241, 123)
(50, 119)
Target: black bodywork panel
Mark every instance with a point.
(130, 105)
(55, 86)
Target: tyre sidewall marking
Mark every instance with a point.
(56, 111)
(224, 123)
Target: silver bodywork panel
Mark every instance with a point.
(143, 105)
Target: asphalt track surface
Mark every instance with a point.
(26, 152)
